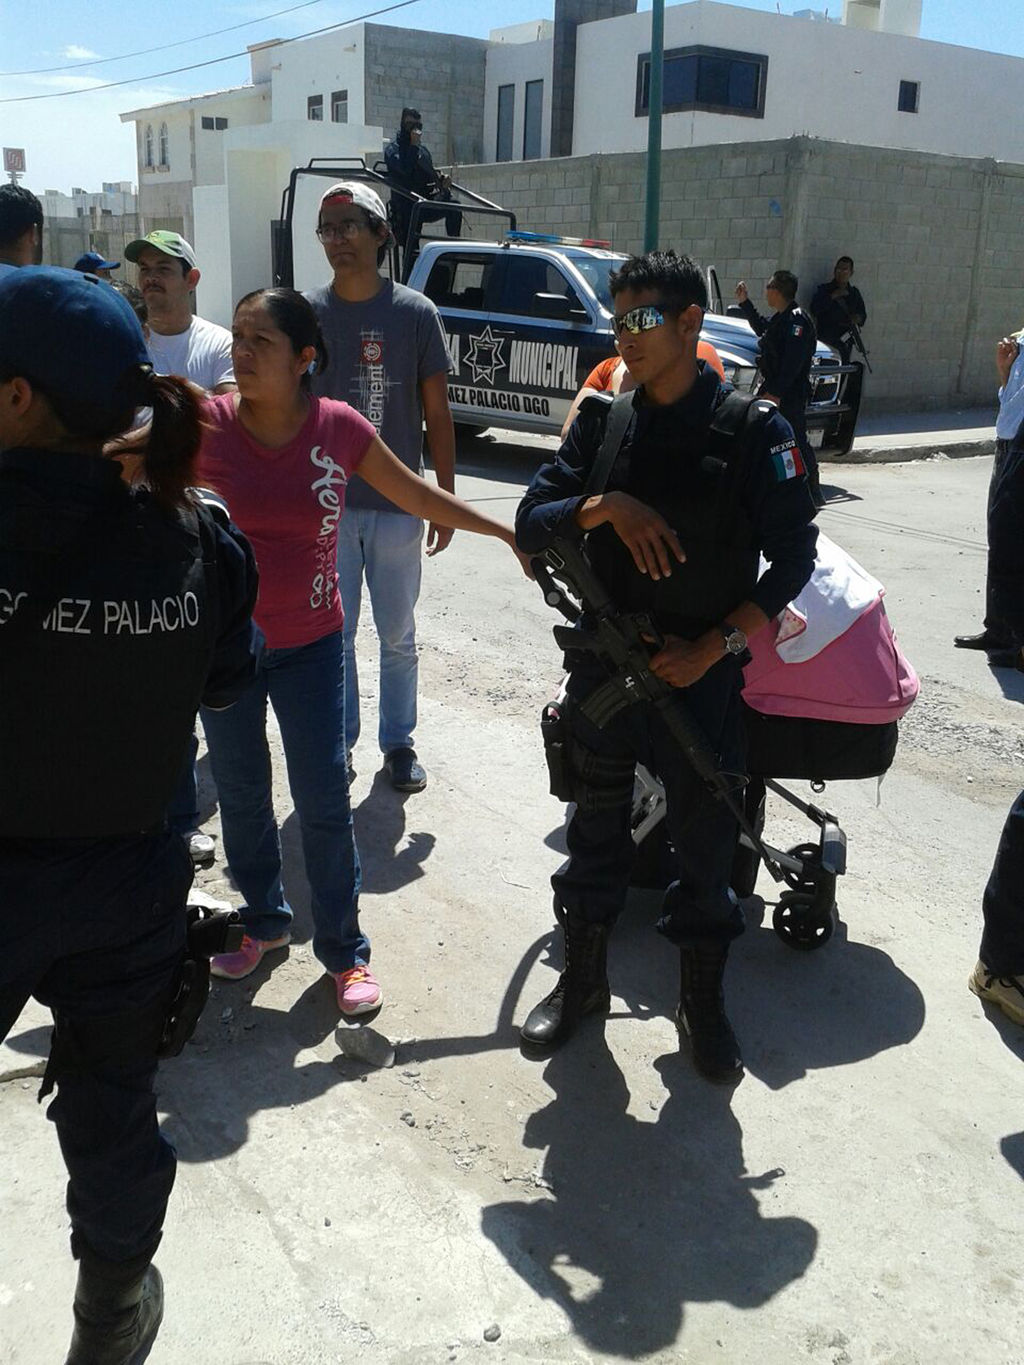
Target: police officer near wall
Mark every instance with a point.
(676, 533)
(121, 608)
(788, 343)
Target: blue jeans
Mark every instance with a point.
(386, 546)
(306, 688)
(183, 813)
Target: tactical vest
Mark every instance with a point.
(702, 504)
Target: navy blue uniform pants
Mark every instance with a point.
(594, 881)
(1004, 580)
(95, 930)
(1002, 943)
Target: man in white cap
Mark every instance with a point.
(181, 343)
(388, 358)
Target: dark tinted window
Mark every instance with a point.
(706, 78)
(909, 91)
(532, 120)
(596, 272)
(527, 276)
(506, 120)
(460, 281)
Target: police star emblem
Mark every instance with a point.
(486, 356)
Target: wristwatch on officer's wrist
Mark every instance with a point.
(733, 638)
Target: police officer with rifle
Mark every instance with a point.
(676, 489)
(839, 312)
(121, 608)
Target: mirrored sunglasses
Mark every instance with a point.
(638, 320)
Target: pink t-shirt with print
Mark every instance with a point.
(288, 502)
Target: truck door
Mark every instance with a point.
(548, 330)
(461, 284)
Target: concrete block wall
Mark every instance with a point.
(440, 74)
(65, 239)
(936, 240)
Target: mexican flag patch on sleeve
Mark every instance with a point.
(788, 464)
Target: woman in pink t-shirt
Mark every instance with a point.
(282, 458)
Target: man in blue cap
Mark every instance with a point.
(92, 263)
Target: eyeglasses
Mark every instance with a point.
(334, 232)
(637, 320)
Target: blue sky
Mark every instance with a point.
(80, 140)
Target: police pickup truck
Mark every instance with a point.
(529, 315)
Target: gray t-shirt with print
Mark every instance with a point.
(378, 353)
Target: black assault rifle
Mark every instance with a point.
(855, 336)
(623, 642)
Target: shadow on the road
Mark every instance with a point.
(210, 1094)
(1010, 680)
(794, 1012)
(833, 494)
(1012, 1034)
(644, 1216)
(505, 458)
(380, 828)
(1012, 1148)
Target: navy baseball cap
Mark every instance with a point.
(73, 337)
(92, 260)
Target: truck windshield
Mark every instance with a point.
(595, 270)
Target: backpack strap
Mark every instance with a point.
(620, 411)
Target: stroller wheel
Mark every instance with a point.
(798, 924)
(807, 853)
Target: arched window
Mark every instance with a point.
(148, 147)
(164, 158)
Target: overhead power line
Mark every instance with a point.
(162, 47)
(214, 61)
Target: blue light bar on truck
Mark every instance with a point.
(550, 239)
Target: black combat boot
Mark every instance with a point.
(701, 1013)
(118, 1308)
(582, 988)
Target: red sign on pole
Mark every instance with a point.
(14, 160)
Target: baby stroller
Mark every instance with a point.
(823, 691)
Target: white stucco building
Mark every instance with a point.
(214, 166)
(737, 75)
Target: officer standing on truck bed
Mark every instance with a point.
(121, 608)
(675, 531)
(788, 342)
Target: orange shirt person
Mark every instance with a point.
(611, 376)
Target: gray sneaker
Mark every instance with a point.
(201, 847)
(1005, 991)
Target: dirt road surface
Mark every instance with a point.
(857, 1198)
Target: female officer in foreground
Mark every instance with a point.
(120, 610)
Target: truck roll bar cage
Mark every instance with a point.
(401, 259)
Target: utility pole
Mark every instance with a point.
(654, 101)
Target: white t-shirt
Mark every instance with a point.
(201, 353)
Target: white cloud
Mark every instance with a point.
(74, 53)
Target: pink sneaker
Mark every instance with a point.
(233, 966)
(358, 990)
